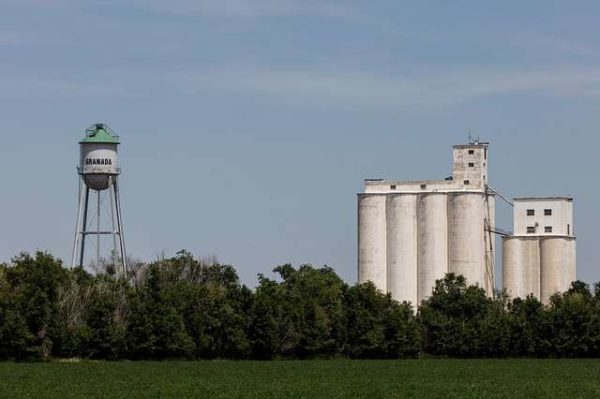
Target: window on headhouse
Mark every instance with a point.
(471, 152)
(530, 212)
(547, 212)
(466, 182)
(471, 165)
(531, 229)
(393, 187)
(548, 229)
(423, 186)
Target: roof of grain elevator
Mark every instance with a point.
(543, 199)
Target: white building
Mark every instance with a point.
(412, 233)
(539, 258)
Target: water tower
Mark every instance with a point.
(98, 172)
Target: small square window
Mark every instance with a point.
(466, 182)
(423, 186)
(547, 212)
(471, 165)
(530, 212)
(548, 229)
(393, 187)
(471, 152)
(530, 229)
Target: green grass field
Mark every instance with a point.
(305, 379)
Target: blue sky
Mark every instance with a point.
(248, 126)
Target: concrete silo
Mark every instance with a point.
(466, 235)
(557, 265)
(539, 257)
(402, 246)
(372, 239)
(432, 241)
(521, 266)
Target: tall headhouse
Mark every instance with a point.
(539, 257)
(411, 233)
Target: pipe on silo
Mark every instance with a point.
(432, 227)
(466, 236)
(573, 260)
(556, 265)
(490, 245)
(402, 247)
(372, 236)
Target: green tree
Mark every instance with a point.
(35, 283)
(462, 321)
(377, 326)
(155, 328)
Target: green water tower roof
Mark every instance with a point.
(100, 133)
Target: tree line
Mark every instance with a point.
(183, 307)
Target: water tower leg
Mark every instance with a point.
(120, 227)
(84, 225)
(111, 193)
(98, 230)
(80, 193)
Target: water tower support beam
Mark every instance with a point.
(80, 193)
(115, 256)
(84, 224)
(98, 230)
(120, 226)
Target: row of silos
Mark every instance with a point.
(406, 241)
(538, 265)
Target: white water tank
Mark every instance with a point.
(99, 157)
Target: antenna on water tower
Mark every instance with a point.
(98, 171)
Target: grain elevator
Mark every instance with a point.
(411, 233)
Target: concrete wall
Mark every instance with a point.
(402, 247)
(561, 220)
(411, 187)
(470, 164)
